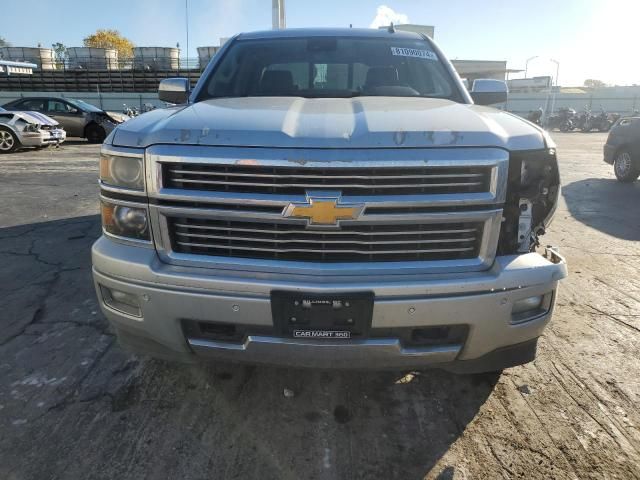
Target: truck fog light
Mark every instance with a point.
(528, 308)
(527, 304)
(125, 221)
(122, 301)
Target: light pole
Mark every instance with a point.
(526, 64)
(555, 90)
(278, 19)
(186, 22)
(557, 70)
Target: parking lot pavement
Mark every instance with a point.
(74, 405)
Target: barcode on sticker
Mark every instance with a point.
(413, 52)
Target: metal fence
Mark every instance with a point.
(133, 75)
(623, 100)
(104, 61)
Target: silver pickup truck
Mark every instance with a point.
(329, 198)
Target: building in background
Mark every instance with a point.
(471, 70)
(530, 85)
(8, 68)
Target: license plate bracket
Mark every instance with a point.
(322, 316)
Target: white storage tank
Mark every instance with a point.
(89, 58)
(156, 58)
(205, 54)
(43, 57)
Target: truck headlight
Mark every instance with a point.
(125, 221)
(125, 172)
(532, 195)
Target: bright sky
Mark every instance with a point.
(590, 38)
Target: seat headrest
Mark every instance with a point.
(276, 82)
(382, 76)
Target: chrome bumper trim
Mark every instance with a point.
(326, 354)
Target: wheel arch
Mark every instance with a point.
(88, 125)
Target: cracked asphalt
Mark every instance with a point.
(74, 405)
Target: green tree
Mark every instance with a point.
(4, 43)
(110, 39)
(60, 53)
(593, 83)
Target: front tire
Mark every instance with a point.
(95, 133)
(625, 168)
(8, 141)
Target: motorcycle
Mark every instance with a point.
(583, 120)
(147, 107)
(601, 122)
(535, 116)
(563, 120)
(130, 111)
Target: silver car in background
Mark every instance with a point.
(77, 117)
(28, 129)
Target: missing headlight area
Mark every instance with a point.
(532, 195)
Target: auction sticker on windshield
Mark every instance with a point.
(413, 52)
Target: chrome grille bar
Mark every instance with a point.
(278, 240)
(357, 177)
(349, 180)
(332, 185)
(325, 251)
(325, 232)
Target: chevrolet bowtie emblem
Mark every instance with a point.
(321, 210)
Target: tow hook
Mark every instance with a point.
(552, 253)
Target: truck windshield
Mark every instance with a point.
(330, 67)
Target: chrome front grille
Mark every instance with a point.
(353, 242)
(423, 209)
(350, 181)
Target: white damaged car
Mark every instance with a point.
(28, 129)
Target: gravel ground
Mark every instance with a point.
(74, 405)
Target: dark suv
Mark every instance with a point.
(622, 149)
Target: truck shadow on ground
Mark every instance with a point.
(606, 205)
(70, 392)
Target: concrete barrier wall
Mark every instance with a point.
(623, 101)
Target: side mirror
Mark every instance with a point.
(487, 91)
(174, 90)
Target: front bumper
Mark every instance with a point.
(609, 153)
(169, 294)
(43, 138)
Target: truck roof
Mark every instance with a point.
(329, 32)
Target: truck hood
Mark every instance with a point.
(362, 122)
